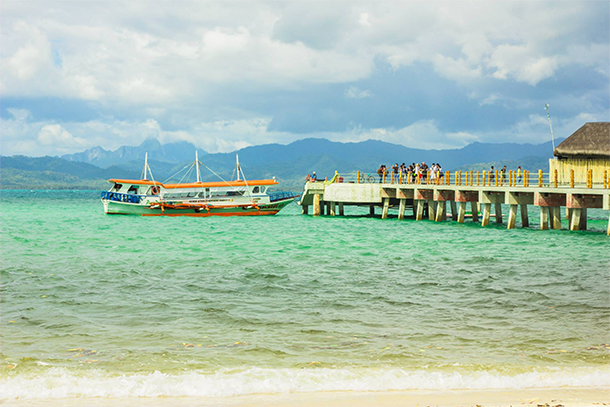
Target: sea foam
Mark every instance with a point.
(60, 383)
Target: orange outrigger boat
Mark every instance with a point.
(239, 197)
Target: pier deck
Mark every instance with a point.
(432, 200)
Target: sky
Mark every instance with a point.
(225, 75)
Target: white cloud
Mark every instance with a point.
(57, 136)
(424, 134)
(20, 114)
(365, 20)
(32, 56)
(105, 57)
(353, 92)
(231, 61)
(490, 100)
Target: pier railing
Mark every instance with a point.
(510, 178)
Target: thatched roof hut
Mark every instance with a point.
(591, 140)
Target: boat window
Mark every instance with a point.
(235, 193)
(263, 190)
(132, 190)
(117, 187)
(255, 190)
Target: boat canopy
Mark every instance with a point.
(135, 182)
(216, 184)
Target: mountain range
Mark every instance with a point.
(288, 163)
(172, 152)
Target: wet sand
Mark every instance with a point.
(566, 397)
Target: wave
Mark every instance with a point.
(62, 383)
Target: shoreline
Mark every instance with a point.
(564, 397)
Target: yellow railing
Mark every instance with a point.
(475, 178)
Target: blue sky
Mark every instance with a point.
(226, 75)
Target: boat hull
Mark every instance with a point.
(126, 208)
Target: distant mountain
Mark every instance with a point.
(304, 155)
(528, 163)
(172, 153)
(55, 173)
(288, 163)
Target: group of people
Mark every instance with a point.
(417, 172)
(502, 174)
(420, 173)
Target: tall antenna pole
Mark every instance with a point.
(197, 164)
(237, 165)
(145, 166)
(548, 115)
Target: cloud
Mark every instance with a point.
(20, 114)
(353, 92)
(226, 75)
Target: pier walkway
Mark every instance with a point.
(430, 200)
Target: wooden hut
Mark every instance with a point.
(587, 149)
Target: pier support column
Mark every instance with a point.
(454, 213)
(331, 206)
(441, 197)
(341, 211)
(474, 208)
(372, 210)
(486, 212)
(401, 209)
(544, 218)
(316, 205)
(431, 210)
(575, 218)
(512, 217)
(305, 209)
(419, 211)
(547, 201)
(525, 221)
(441, 211)
(386, 206)
(487, 198)
(461, 211)
(583, 219)
(555, 212)
(498, 213)
(582, 202)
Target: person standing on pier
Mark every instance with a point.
(380, 172)
(519, 175)
(395, 170)
(492, 174)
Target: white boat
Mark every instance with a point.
(238, 197)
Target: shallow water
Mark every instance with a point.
(120, 306)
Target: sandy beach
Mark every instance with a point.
(566, 397)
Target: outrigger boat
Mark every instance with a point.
(238, 197)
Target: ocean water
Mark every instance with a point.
(117, 306)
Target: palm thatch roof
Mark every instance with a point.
(591, 140)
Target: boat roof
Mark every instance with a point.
(240, 183)
(135, 181)
(215, 184)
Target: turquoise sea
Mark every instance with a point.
(94, 305)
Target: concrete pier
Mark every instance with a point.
(435, 200)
